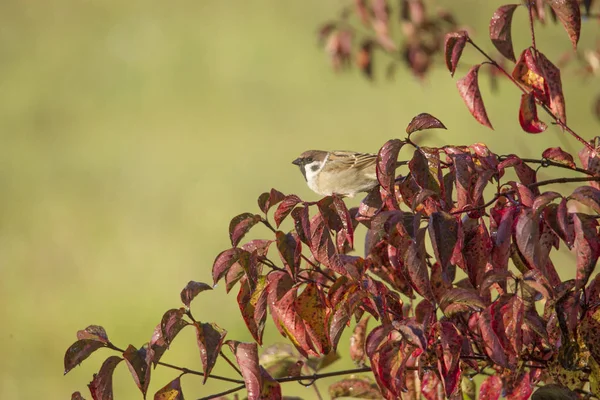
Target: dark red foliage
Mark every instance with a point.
(457, 277)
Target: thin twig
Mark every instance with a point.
(529, 4)
(325, 375)
(556, 119)
(214, 396)
(232, 365)
(182, 369)
(563, 180)
(194, 372)
(545, 162)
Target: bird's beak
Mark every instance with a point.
(297, 161)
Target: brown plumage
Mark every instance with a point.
(338, 172)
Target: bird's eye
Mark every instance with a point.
(308, 160)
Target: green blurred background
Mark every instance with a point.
(132, 131)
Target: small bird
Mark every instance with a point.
(338, 172)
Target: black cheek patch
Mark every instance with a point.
(314, 168)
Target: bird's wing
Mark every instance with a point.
(347, 159)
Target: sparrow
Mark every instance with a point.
(338, 172)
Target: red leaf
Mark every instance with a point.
(419, 170)
(558, 155)
(536, 280)
(191, 290)
(285, 208)
(543, 200)
(491, 388)
(412, 332)
(424, 121)
(101, 386)
(449, 359)
(502, 238)
(290, 250)
(210, 339)
(522, 388)
(79, 351)
(527, 236)
(322, 247)
(528, 117)
(346, 220)
(431, 387)
(289, 322)
(476, 249)
(311, 308)
(512, 316)
(562, 216)
(569, 15)
(387, 160)
(138, 362)
(587, 247)
(460, 299)
(454, 44)
(240, 225)
(553, 88)
(528, 72)
(387, 355)
(77, 396)
(302, 223)
(223, 263)
(463, 167)
(268, 200)
(468, 88)
(500, 30)
(158, 345)
(253, 306)
(270, 388)
(279, 283)
(245, 265)
(171, 323)
(247, 358)
(414, 259)
(171, 391)
(443, 231)
(587, 195)
(94, 332)
(491, 342)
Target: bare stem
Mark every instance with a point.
(226, 392)
(564, 180)
(547, 163)
(530, 11)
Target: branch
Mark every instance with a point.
(546, 163)
(182, 369)
(214, 396)
(529, 5)
(564, 180)
(232, 365)
(315, 377)
(557, 120)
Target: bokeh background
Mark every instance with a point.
(132, 131)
